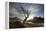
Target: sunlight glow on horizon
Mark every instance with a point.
(30, 17)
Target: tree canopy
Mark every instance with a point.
(38, 20)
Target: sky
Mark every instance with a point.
(34, 9)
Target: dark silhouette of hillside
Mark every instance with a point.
(38, 20)
(16, 22)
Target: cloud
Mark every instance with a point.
(16, 11)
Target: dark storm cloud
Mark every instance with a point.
(16, 11)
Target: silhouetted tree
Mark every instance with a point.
(25, 12)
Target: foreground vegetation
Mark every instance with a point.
(36, 22)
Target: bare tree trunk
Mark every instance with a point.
(25, 20)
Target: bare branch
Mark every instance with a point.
(26, 12)
(23, 10)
